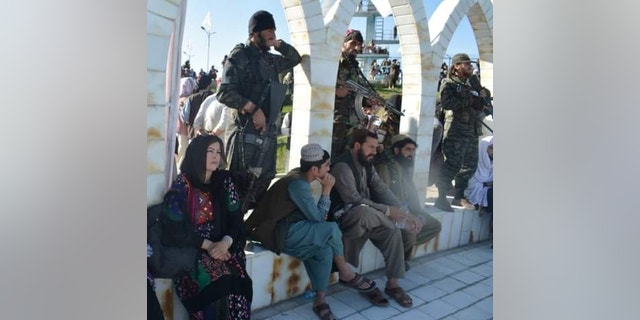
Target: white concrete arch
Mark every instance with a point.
(447, 17)
(419, 76)
(317, 30)
(445, 21)
(481, 17)
(165, 24)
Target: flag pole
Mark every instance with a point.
(206, 26)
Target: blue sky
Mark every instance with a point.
(230, 19)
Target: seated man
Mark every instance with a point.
(479, 192)
(366, 209)
(298, 227)
(396, 169)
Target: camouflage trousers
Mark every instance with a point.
(460, 163)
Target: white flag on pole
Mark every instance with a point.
(206, 23)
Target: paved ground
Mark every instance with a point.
(455, 284)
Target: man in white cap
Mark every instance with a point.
(298, 227)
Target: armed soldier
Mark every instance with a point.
(251, 90)
(345, 117)
(460, 144)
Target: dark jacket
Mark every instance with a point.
(246, 74)
(269, 221)
(455, 95)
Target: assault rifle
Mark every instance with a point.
(275, 92)
(488, 105)
(372, 94)
(487, 109)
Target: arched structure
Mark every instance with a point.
(445, 21)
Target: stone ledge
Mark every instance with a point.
(278, 278)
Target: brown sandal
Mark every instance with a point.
(400, 296)
(358, 281)
(376, 297)
(323, 311)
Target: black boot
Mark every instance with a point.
(443, 204)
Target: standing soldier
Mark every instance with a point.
(251, 90)
(460, 144)
(345, 117)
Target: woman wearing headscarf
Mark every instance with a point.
(479, 192)
(205, 213)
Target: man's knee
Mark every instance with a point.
(408, 239)
(324, 253)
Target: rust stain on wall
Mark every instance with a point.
(293, 282)
(294, 264)
(275, 274)
(154, 134)
(277, 262)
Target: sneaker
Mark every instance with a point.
(456, 202)
(442, 204)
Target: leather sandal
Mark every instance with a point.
(323, 311)
(400, 296)
(376, 297)
(357, 283)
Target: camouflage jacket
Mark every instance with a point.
(456, 95)
(246, 76)
(344, 106)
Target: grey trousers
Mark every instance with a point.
(362, 223)
(430, 229)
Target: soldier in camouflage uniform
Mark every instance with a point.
(460, 145)
(251, 90)
(344, 114)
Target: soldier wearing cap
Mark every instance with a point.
(460, 144)
(396, 170)
(254, 96)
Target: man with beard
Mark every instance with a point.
(251, 90)
(460, 144)
(396, 169)
(344, 114)
(366, 209)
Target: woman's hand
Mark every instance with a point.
(219, 250)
